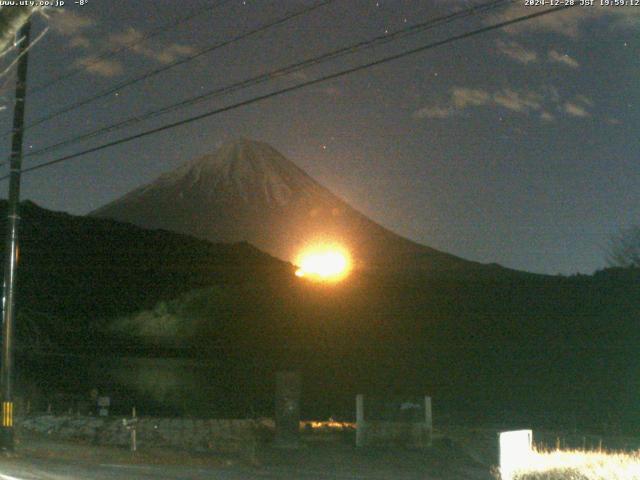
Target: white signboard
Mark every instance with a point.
(516, 448)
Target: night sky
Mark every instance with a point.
(518, 146)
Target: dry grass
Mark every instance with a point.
(580, 465)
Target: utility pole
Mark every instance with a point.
(11, 247)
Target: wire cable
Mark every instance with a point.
(129, 46)
(295, 67)
(299, 86)
(176, 63)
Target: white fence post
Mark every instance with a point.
(428, 419)
(360, 423)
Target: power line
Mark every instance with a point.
(348, 50)
(162, 351)
(298, 86)
(181, 61)
(129, 46)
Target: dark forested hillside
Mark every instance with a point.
(542, 347)
(77, 271)
(499, 345)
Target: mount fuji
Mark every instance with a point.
(248, 191)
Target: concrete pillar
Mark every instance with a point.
(287, 405)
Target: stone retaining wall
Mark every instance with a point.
(193, 434)
(395, 433)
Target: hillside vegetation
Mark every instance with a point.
(219, 320)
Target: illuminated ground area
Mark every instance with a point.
(583, 465)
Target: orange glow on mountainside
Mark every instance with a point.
(325, 263)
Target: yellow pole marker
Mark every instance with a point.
(7, 414)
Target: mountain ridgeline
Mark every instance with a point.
(248, 191)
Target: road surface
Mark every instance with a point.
(340, 462)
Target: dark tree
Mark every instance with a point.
(624, 249)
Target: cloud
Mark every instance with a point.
(170, 53)
(576, 110)
(517, 52)
(568, 22)
(547, 117)
(520, 54)
(463, 97)
(562, 58)
(68, 23)
(518, 101)
(547, 104)
(102, 67)
(134, 40)
(586, 100)
(79, 41)
(578, 107)
(74, 27)
(565, 22)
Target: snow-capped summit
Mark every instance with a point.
(243, 170)
(248, 191)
